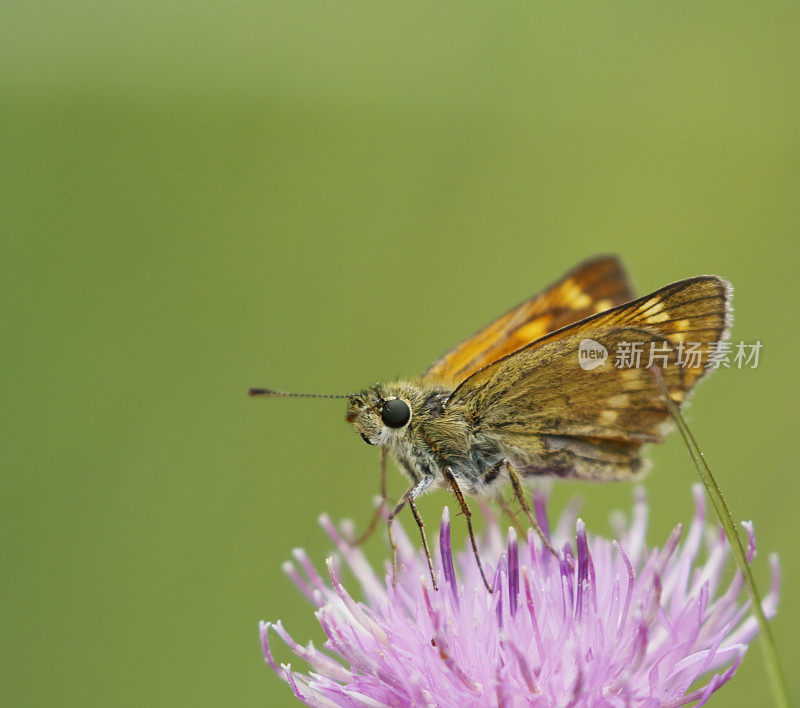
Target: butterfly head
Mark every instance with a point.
(381, 413)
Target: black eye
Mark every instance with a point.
(395, 413)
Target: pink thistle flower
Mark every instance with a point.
(618, 625)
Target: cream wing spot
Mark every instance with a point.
(581, 302)
(619, 401)
(608, 417)
(534, 330)
(574, 295)
(658, 317)
(653, 306)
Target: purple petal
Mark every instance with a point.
(447, 555)
(513, 571)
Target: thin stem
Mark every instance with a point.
(770, 652)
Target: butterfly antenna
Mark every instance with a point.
(270, 393)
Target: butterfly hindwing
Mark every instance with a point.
(595, 285)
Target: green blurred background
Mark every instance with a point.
(200, 197)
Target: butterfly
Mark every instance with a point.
(560, 386)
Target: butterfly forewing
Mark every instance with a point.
(612, 409)
(594, 286)
(543, 393)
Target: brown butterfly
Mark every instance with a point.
(559, 386)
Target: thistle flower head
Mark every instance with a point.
(613, 623)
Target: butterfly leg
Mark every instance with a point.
(520, 496)
(421, 525)
(384, 498)
(408, 498)
(503, 504)
(451, 478)
(389, 519)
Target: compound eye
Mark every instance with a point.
(395, 413)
